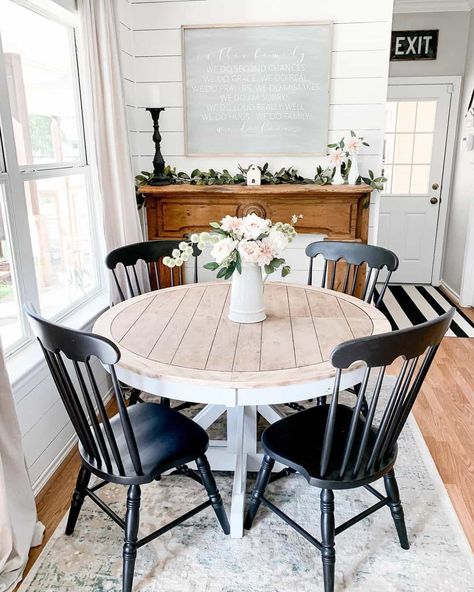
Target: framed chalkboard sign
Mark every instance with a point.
(256, 89)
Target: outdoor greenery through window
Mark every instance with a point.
(48, 243)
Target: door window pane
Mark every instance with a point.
(419, 179)
(406, 115)
(61, 235)
(40, 71)
(426, 116)
(10, 325)
(401, 179)
(423, 148)
(403, 149)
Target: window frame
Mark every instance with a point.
(13, 177)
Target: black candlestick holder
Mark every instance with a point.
(159, 176)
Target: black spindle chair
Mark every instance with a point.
(335, 447)
(355, 257)
(151, 253)
(136, 268)
(132, 448)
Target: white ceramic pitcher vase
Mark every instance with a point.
(246, 299)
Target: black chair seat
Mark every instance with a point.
(297, 442)
(165, 438)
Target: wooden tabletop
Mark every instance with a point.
(183, 334)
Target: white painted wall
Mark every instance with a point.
(452, 43)
(151, 50)
(462, 198)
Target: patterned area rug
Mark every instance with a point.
(406, 305)
(197, 557)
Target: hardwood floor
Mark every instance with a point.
(444, 411)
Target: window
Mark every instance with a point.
(409, 132)
(49, 251)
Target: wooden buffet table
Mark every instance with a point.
(179, 343)
(338, 211)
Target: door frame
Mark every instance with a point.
(449, 154)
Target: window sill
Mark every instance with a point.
(21, 364)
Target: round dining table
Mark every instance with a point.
(178, 343)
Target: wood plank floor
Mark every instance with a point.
(444, 411)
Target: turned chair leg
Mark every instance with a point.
(134, 396)
(131, 535)
(259, 489)
(77, 499)
(210, 484)
(391, 487)
(328, 535)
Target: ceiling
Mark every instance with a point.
(432, 5)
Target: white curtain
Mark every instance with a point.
(19, 529)
(109, 123)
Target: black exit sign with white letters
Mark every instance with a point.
(414, 45)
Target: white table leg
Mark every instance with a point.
(207, 416)
(242, 438)
(270, 413)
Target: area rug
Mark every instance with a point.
(197, 557)
(407, 305)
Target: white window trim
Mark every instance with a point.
(80, 313)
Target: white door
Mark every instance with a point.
(414, 151)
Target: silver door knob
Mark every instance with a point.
(435, 186)
(434, 200)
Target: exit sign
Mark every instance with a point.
(414, 45)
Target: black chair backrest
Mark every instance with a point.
(151, 253)
(83, 402)
(353, 255)
(362, 452)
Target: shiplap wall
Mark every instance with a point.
(151, 51)
(46, 431)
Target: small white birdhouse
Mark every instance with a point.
(253, 176)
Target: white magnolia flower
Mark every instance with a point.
(183, 245)
(249, 251)
(353, 145)
(185, 256)
(337, 158)
(232, 224)
(277, 239)
(178, 261)
(266, 251)
(175, 253)
(204, 237)
(166, 261)
(223, 249)
(188, 250)
(171, 263)
(253, 226)
(194, 238)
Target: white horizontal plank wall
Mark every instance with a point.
(46, 431)
(358, 88)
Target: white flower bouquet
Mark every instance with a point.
(237, 241)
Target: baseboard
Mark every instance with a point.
(449, 292)
(54, 465)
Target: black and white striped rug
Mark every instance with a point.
(407, 305)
